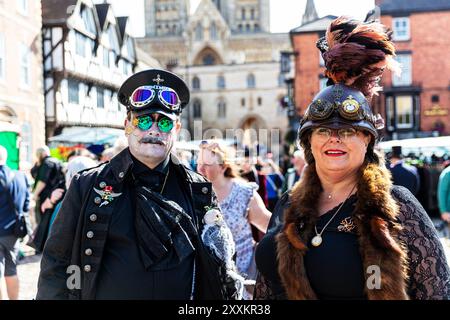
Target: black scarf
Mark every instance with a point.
(161, 225)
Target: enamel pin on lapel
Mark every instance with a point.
(107, 195)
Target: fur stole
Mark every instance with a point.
(375, 216)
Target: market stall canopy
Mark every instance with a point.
(437, 145)
(87, 135)
(193, 145)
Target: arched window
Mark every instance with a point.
(256, 27)
(252, 14)
(240, 28)
(197, 105)
(250, 81)
(221, 82)
(213, 31)
(221, 109)
(247, 27)
(198, 32)
(174, 29)
(208, 59)
(196, 83)
(243, 13)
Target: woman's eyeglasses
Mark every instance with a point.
(145, 94)
(145, 122)
(343, 134)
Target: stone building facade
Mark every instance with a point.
(22, 117)
(229, 59)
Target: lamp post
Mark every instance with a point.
(288, 100)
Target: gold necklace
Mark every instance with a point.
(165, 180)
(317, 240)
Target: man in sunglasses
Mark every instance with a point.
(130, 228)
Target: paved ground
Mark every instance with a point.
(28, 271)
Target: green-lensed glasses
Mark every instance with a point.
(145, 122)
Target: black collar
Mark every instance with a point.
(123, 162)
(140, 168)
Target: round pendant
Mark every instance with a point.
(316, 241)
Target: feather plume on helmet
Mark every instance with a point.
(357, 53)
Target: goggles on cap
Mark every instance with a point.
(145, 122)
(143, 95)
(349, 109)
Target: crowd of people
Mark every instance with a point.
(143, 223)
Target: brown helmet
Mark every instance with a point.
(339, 106)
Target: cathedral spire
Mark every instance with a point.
(310, 12)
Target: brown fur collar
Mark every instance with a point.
(375, 218)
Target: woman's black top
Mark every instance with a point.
(334, 268)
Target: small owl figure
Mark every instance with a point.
(218, 238)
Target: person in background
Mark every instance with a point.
(443, 194)
(107, 154)
(293, 174)
(251, 171)
(240, 203)
(403, 174)
(48, 175)
(75, 165)
(186, 159)
(274, 182)
(14, 200)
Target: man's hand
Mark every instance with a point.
(446, 216)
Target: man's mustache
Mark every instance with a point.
(151, 139)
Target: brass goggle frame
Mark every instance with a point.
(349, 109)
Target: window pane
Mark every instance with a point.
(113, 41)
(196, 83)
(390, 119)
(404, 108)
(197, 109)
(74, 97)
(2, 56)
(405, 78)
(100, 100)
(106, 57)
(213, 31)
(221, 82)
(88, 19)
(401, 28)
(198, 32)
(250, 81)
(130, 48)
(80, 44)
(221, 112)
(24, 65)
(23, 6)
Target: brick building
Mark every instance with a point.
(417, 103)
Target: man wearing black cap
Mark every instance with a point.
(403, 174)
(132, 226)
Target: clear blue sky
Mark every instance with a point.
(285, 14)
